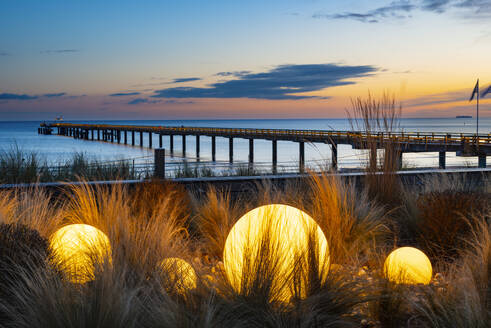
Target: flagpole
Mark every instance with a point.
(477, 109)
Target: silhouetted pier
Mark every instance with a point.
(464, 144)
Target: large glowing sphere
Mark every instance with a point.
(77, 248)
(408, 265)
(180, 273)
(278, 238)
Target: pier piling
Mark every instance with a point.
(197, 148)
(231, 150)
(442, 159)
(251, 152)
(301, 157)
(213, 148)
(275, 156)
(159, 163)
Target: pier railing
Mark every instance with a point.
(398, 137)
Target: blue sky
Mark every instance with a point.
(232, 59)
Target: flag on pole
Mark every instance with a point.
(475, 91)
(485, 92)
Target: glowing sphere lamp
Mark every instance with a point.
(408, 265)
(77, 248)
(180, 273)
(281, 233)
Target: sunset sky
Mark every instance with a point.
(239, 59)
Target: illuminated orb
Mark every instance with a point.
(408, 265)
(76, 248)
(180, 273)
(286, 232)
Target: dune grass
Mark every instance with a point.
(20, 166)
(161, 220)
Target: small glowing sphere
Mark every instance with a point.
(408, 265)
(180, 273)
(282, 236)
(77, 248)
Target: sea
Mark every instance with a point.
(59, 149)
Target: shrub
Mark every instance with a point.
(445, 220)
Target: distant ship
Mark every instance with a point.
(463, 116)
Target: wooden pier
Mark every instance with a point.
(463, 144)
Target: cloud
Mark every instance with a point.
(137, 101)
(178, 102)
(439, 98)
(234, 74)
(5, 54)
(54, 95)
(396, 9)
(124, 94)
(185, 79)
(281, 82)
(59, 51)
(13, 96)
(470, 9)
(475, 9)
(438, 6)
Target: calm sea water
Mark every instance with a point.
(58, 149)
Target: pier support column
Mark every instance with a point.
(197, 148)
(132, 138)
(213, 148)
(171, 142)
(301, 157)
(183, 145)
(399, 161)
(98, 134)
(275, 156)
(159, 163)
(251, 152)
(112, 135)
(141, 139)
(125, 137)
(92, 134)
(118, 135)
(231, 150)
(334, 156)
(482, 161)
(160, 140)
(442, 160)
(150, 139)
(372, 159)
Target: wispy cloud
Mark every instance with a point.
(59, 51)
(4, 54)
(396, 9)
(137, 101)
(401, 9)
(233, 74)
(438, 6)
(124, 94)
(185, 79)
(281, 82)
(54, 95)
(178, 102)
(14, 96)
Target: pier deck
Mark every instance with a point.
(464, 144)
